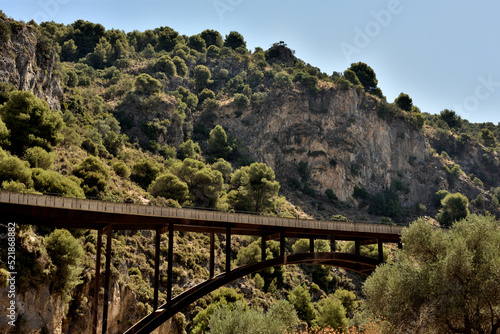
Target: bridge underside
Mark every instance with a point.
(107, 217)
(357, 263)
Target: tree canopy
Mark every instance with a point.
(30, 121)
(441, 281)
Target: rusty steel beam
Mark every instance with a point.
(212, 256)
(228, 250)
(170, 262)
(157, 268)
(109, 235)
(95, 303)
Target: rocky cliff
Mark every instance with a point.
(335, 139)
(29, 63)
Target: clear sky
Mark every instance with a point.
(445, 54)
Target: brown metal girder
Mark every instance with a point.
(154, 320)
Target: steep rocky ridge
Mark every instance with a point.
(344, 142)
(29, 64)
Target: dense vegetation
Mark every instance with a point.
(137, 125)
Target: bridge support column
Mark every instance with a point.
(380, 250)
(212, 255)
(228, 249)
(311, 245)
(157, 268)
(109, 234)
(97, 283)
(170, 263)
(282, 243)
(333, 243)
(357, 247)
(263, 248)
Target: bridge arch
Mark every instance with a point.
(357, 263)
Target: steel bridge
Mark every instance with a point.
(106, 217)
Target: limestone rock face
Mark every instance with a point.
(340, 136)
(30, 64)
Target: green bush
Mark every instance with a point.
(31, 122)
(188, 149)
(439, 196)
(169, 186)
(339, 218)
(332, 313)
(301, 301)
(66, 254)
(94, 175)
(54, 183)
(14, 169)
(39, 158)
(360, 193)
(166, 65)
(218, 143)
(331, 195)
(121, 169)
(145, 84)
(145, 171)
(241, 100)
(454, 208)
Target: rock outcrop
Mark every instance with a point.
(29, 63)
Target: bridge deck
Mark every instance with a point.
(94, 214)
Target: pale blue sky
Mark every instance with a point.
(444, 54)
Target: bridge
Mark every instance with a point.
(106, 217)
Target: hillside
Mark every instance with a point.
(160, 118)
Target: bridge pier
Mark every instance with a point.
(380, 250)
(170, 265)
(212, 255)
(95, 303)
(228, 249)
(157, 268)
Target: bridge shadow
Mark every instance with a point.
(357, 263)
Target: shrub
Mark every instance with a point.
(241, 100)
(94, 174)
(145, 84)
(180, 66)
(454, 170)
(166, 65)
(66, 254)
(360, 193)
(121, 169)
(454, 207)
(188, 149)
(331, 195)
(439, 196)
(14, 169)
(301, 301)
(169, 186)
(31, 122)
(478, 182)
(218, 143)
(54, 183)
(206, 94)
(282, 79)
(145, 171)
(39, 158)
(332, 313)
(339, 218)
